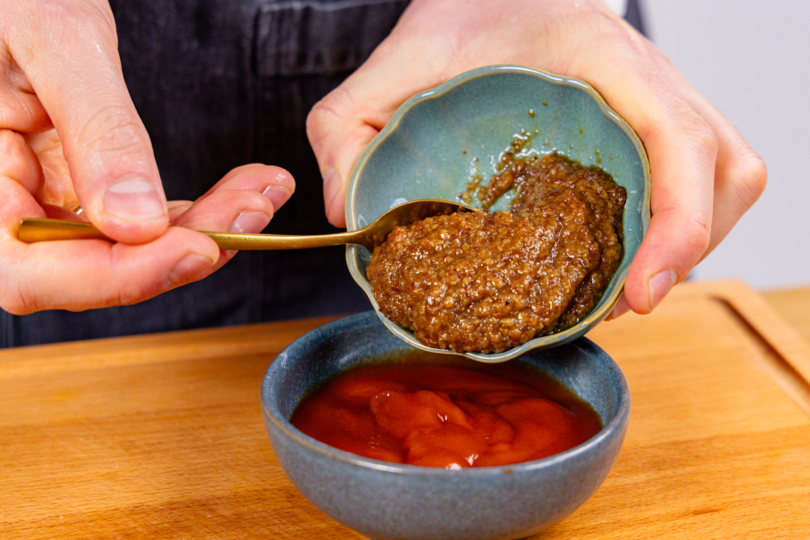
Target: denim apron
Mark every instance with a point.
(221, 83)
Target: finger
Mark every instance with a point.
(176, 209)
(740, 174)
(344, 122)
(741, 179)
(69, 55)
(60, 212)
(619, 309)
(245, 200)
(57, 189)
(421, 53)
(19, 162)
(20, 109)
(339, 131)
(682, 152)
(682, 149)
(276, 184)
(84, 274)
(237, 211)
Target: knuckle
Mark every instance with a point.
(700, 134)
(132, 295)
(318, 116)
(14, 300)
(78, 19)
(701, 142)
(687, 236)
(749, 179)
(65, 24)
(678, 119)
(12, 145)
(596, 28)
(317, 127)
(102, 12)
(125, 294)
(609, 25)
(327, 110)
(696, 236)
(113, 128)
(125, 297)
(126, 288)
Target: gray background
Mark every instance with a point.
(750, 58)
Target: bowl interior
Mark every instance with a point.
(439, 140)
(318, 355)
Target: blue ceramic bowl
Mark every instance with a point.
(393, 501)
(438, 140)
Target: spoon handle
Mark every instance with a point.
(39, 230)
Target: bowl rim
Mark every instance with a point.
(271, 412)
(616, 285)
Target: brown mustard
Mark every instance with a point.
(480, 282)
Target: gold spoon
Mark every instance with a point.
(371, 236)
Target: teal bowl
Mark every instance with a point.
(406, 502)
(440, 139)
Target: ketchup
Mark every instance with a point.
(447, 415)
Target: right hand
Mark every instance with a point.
(70, 136)
(704, 175)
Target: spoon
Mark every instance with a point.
(371, 236)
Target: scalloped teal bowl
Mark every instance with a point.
(440, 139)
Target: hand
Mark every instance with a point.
(704, 175)
(70, 136)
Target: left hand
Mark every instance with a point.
(70, 135)
(704, 175)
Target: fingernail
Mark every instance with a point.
(620, 308)
(660, 285)
(134, 199)
(188, 267)
(250, 222)
(331, 189)
(278, 195)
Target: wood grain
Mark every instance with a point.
(161, 436)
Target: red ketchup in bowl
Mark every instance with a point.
(447, 415)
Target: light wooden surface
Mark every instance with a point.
(162, 437)
(794, 306)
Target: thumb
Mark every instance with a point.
(68, 51)
(338, 136)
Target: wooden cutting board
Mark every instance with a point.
(161, 436)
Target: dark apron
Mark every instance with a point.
(221, 83)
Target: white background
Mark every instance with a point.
(751, 58)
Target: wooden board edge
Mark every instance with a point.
(786, 351)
